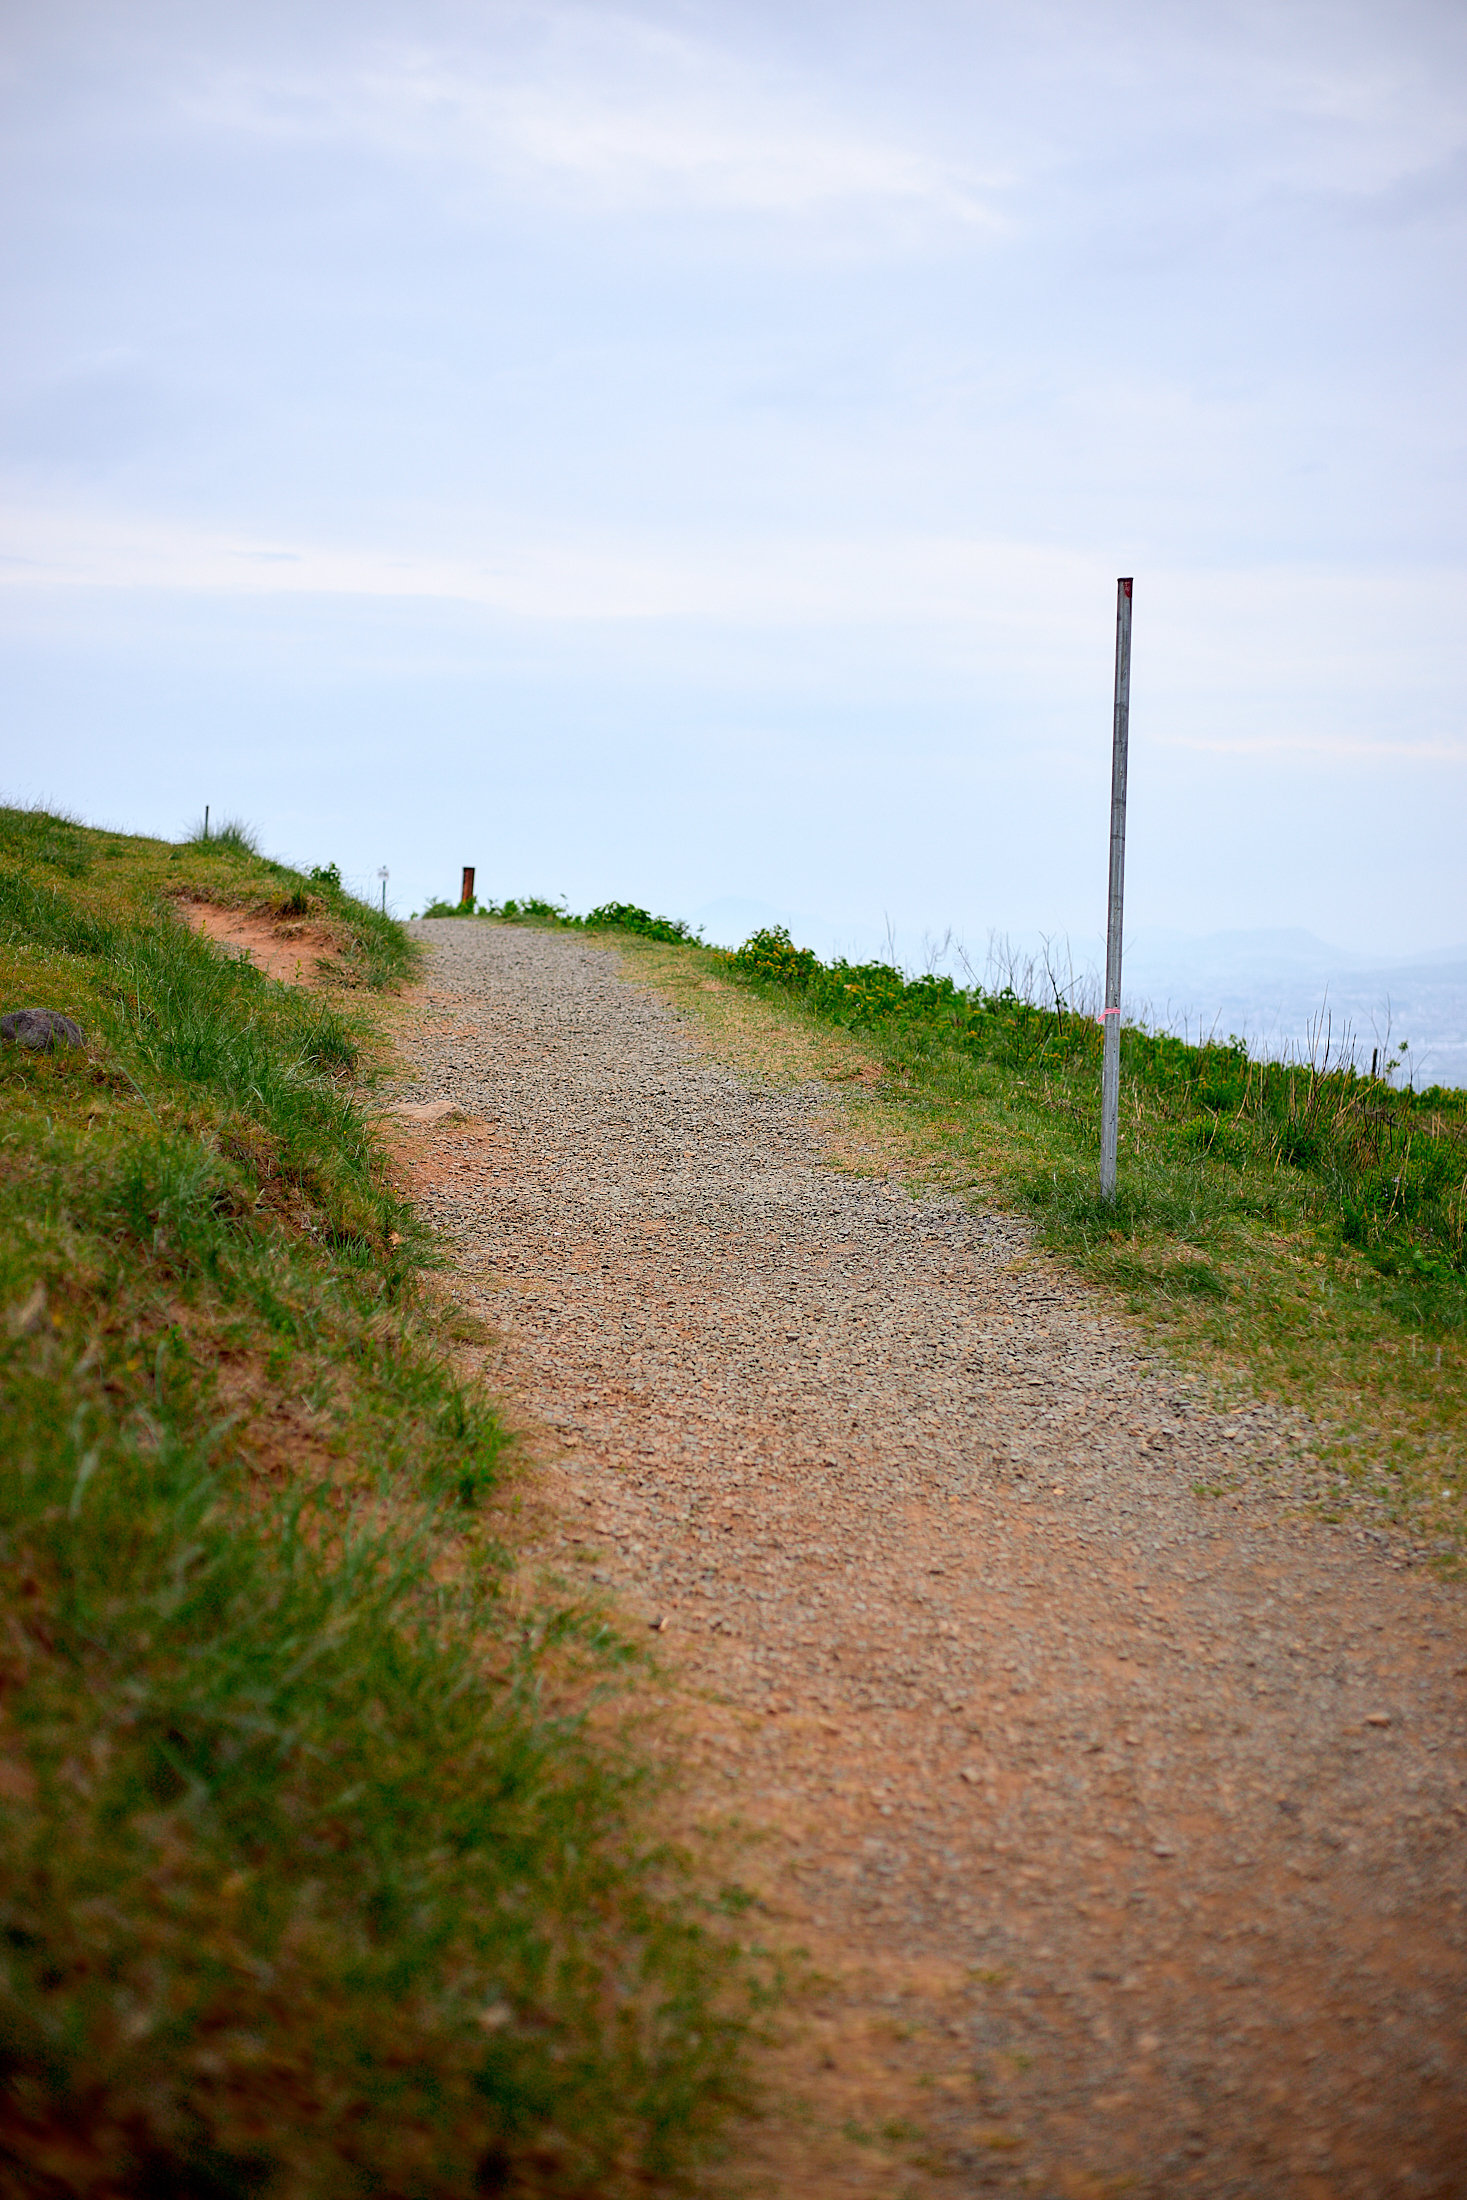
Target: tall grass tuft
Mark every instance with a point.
(231, 836)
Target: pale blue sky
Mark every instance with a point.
(676, 452)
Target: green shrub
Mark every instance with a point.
(625, 916)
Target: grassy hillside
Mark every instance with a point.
(1297, 1230)
(315, 1878)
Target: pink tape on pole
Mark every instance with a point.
(1108, 1012)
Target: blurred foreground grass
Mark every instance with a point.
(320, 1871)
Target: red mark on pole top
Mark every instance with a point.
(1127, 587)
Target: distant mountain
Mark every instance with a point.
(1288, 989)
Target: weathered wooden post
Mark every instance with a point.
(467, 895)
(1110, 1076)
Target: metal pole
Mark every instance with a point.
(1110, 1080)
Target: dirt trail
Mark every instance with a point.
(1127, 1824)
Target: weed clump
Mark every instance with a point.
(232, 836)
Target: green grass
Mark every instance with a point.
(325, 1867)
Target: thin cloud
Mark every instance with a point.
(606, 115)
(1013, 593)
(1319, 644)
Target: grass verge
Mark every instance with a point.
(321, 1871)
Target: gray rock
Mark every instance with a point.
(41, 1029)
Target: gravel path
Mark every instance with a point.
(1128, 1822)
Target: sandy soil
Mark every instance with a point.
(1125, 1824)
(284, 947)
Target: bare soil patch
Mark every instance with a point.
(1118, 1801)
(288, 948)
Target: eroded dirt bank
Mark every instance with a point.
(1128, 1825)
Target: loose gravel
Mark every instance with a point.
(1121, 1802)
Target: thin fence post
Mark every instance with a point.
(466, 894)
(1110, 1080)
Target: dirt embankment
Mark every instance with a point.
(289, 948)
